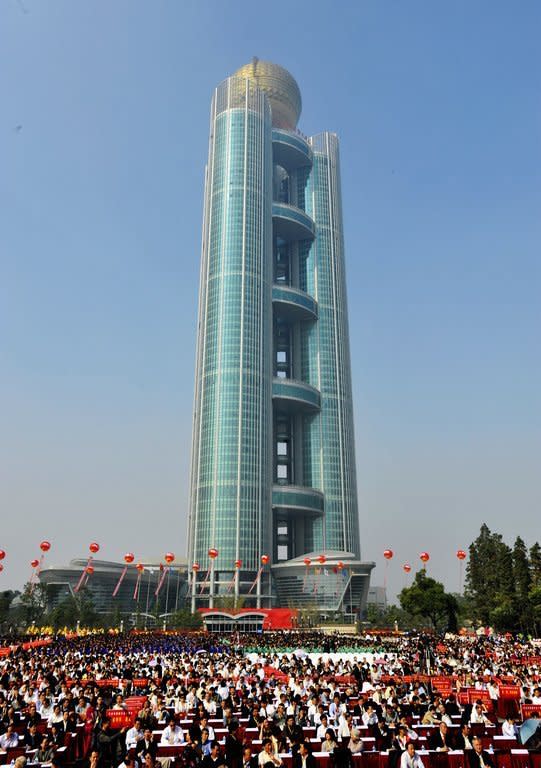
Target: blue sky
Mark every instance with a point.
(103, 140)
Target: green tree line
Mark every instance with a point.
(502, 590)
(503, 583)
(32, 607)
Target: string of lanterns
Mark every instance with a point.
(169, 557)
(424, 557)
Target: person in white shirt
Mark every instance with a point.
(344, 727)
(509, 729)
(318, 714)
(44, 707)
(312, 708)
(410, 758)
(119, 702)
(31, 696)
(55, 717)
(9, 739)
(222, 690)
(370, 716)
(204, 723)
(267, 755)
(322, 727)
(209, 704)
(478, 715)
(134, 735)
(172, 734)
(335, 709)
(493, 691)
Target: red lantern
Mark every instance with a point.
(90, 569)
(140, 567)
(307, 562)
(340, 565)
(196, 567)
(169, 557)
(238, 564)
(2, 554)
(264, 559)
(425, 557)
(213, 553)
(322, 559)
(461, 554)
(388, 554)
(34, 563)
(406, 567)
(45, 546)
(129, 557)
(94, 547)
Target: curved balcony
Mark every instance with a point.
(298, 498)
(290, 150)
(291, 223)
(294, 304)
(295, 395)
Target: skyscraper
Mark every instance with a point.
(273, 509)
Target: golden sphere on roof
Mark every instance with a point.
(280, 88)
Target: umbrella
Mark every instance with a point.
(528, 728)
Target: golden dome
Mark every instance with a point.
(280, 88)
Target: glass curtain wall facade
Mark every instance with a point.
(273, 459)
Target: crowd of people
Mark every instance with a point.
(147, 700)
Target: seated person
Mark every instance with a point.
(479, 714)
(172, 734)
(267, 756)
(32, 739)
(440, 740)
(248, 760)
(45, 751)
(463, 739)
(304, 757)
(509, 728)
(329, 742)
(9, 739)
(479, 757)
(410, 758)
(401, 739)
(355, 743)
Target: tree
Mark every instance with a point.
(65, 614)
(490, 580)
(388, 617)
(185, 619)
(229, 603)
(427, 599)
(535, 565)
(535, 587)
(33, 604)
(6, 598)
(88, 616)
(523, 584)
(78, 608)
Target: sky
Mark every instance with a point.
(104, 119)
